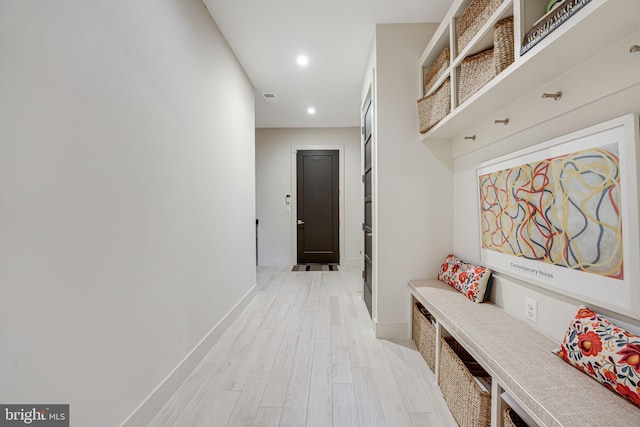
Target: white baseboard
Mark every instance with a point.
(387, 330)
(274, 262)
(352, 262)
(150, 407)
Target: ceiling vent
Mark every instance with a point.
(270, 97)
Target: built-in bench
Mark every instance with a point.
(521, 363)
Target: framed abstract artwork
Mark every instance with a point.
(564, 215)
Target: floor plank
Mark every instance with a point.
(319, 413)
(340, 358)
(307, 332)
(357, 348)
(367, 401)
(430, 393)
(246, 408)
(276, 391)
(267, 417)
(294, 411)
(410, 391)
(214, 408)
(345, 413)
(323, 326)
(303, 353)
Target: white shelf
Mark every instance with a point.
(597, 26)
(441, 38)
(483, 40)
(438, 82)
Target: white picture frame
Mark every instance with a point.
(538, 225)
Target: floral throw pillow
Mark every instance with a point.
(469, 279)
(604, 351)
(448, 269)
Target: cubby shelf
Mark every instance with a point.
(597, 26)
(515, 356)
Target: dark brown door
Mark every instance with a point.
(318, 208)
(367, 227)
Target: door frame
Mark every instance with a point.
(294, 195)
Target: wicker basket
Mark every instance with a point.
(472, 19)
(511, 419)
(478, 70)
(503, 44)
(468, 403)
(436, 70)
(475, 72)
(434, 107)
(424, 336)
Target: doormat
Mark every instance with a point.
(315, 267)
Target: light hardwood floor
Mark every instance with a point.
(303, 354)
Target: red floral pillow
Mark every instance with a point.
(448, 269)
(469, 279)
(605, 352)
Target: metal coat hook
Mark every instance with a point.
(472, 137)
(504, 121)
(556, 96)
(634, 48)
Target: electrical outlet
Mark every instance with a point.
(531, 309)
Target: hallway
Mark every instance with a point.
(303, 354)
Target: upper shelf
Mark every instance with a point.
(598, 25)
(484, 38)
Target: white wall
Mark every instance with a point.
(554, 310)
(274, 181)
(412, 195)
(126, 198)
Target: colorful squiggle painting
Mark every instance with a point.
(563, 211)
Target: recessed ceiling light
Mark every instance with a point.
(303, 60)
(311, 110)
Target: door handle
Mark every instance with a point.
(300, 222)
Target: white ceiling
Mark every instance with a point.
(336, 35)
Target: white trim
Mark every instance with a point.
(352, 262)
(275, 262)
(294, 197)
(390, 330)
(150, 407)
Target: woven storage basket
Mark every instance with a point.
(475, 72)
(424, 336)
(472, 19)
(478, 70)
(436, 70)
(468, 403)
(511, 419)
(434, 107)
(503, 44)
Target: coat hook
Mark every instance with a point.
(634, 48)
(472, 137)
(556, 96)
(504, 121)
